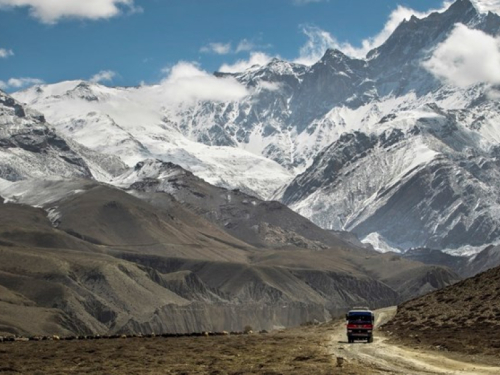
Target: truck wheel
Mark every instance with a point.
(350, 340)
(370, 339)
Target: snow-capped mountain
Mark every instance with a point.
(377, 145)
(131, 123)
(425, 180)
(30, 148)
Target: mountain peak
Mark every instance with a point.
(415, 35)
(334, 53)
(334, 57)
(461, 4)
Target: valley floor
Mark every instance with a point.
(304, 350)
(296, 351)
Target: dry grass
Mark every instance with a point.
(462, 319)
(298, 351)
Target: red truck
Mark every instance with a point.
(360, 324)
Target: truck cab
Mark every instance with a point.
(360, 324)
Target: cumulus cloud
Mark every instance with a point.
(485, 6)
(187, 83)
(217, 48)
(51, 11)
(103, 76)
(255, 59)
(303, 2)
(466, 57)
(18, 83)
(4, 53)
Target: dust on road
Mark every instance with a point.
(382, 356)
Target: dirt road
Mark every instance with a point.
(384, 357)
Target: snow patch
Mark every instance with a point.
(379, 243)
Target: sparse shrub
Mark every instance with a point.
(248, 329)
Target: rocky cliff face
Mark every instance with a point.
(31, 148)
(426, 182)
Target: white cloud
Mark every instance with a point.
(245, 45)
(269, 86)
(303, 2)
(103, 76)
(4, 53)
(218, 48)
(318, 41)
(51, 11)
(18, 83)
(485, 6)
(187, 83)
(467, 57)
(255, 59)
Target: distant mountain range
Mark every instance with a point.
(122, 212)
(377, 146)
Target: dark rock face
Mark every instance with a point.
(465, 266)
(328, 83)
(397, 63)
(442, 203)
(31, 148)
(348, 149)
(44, 152)
(412, 204)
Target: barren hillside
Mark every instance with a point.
(462, 318)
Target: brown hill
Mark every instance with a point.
(95, 259)
(252, 220)
(461, 318)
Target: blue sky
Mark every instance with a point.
(134, 41)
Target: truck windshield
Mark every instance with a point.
(360, 319)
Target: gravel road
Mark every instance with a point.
(383, 357)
